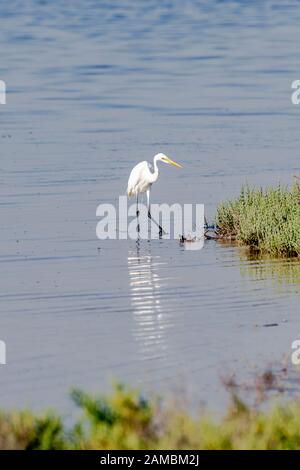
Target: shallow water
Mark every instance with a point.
(91, 91)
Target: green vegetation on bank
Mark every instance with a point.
(268, 221)
(125, 420)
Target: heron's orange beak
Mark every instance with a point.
(171, 162)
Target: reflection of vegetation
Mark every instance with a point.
(262, 267)
(268, 221)
(125, 420)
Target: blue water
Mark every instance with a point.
(93, 88)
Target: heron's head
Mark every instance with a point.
(161, 157)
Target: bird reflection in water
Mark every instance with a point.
(151, 317)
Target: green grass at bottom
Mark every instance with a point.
(125, 420)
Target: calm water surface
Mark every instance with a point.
(94, 87)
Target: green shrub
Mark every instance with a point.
(23, 430)
(125, 420)
(268, 221)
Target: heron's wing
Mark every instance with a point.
(138, 178)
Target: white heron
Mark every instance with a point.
(141, 178)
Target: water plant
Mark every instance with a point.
(265, 220)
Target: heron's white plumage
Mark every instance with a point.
(142, 176)
(141, 179)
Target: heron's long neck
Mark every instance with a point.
(155, 172)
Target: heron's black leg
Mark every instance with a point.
(161, 231)
(137, 215)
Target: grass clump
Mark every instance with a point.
(125, 420)
(265, 220)
(23, 430)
